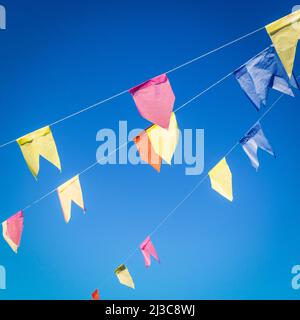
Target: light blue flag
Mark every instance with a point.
(261, 73)
(253, 140)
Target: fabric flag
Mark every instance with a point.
(146, 151)
(13, 229)
(155, 100)
(221, 179)
(285, 34)
(253, 140)
(96, 295)
(68, 192)
(164, 141)
(261, 73)
(148, 250)
(124, 276)
(36, 144)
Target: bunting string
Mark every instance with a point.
(125, 144)
(272, 68)
(126, 91)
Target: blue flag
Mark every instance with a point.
(253, 140)
(261, 73)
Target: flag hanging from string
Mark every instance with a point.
(155, 100)
(36, 144)
(96, 295)
(124, 276)
(285, 34)
(13, 229)
(221, 179)
(70, 192)
(253, 140)
(146, 151)
(164, 141)
(148, 250)
(261, 73)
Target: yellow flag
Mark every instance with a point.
(285, 34)
(124, 276)
(36, 144)
(221, 179)
(164, 141)
(68, 192)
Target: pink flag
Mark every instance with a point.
(12, 230)
(155, 100)
(148, 250)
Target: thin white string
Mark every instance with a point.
(125, 91)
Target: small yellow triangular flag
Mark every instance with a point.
(221, 179)
(164, 141)
(124, 276)
(285, 34)
(68, 192)
(36, 144)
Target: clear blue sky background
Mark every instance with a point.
(59, 56)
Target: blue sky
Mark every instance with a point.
(60, 56)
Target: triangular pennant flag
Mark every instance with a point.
(68, 192)
(285, 34)
(146, 151)
(124, 276)
(13, 229)
(36, 144)
(221, 179)
(253, 140)
(148, 250)
(164, 141)
(96, 295)
(155, 100)
(261, 73)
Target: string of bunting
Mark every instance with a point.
(272, 68)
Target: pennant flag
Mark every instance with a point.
(155, 100)
(164, 141)
(148, 250)
(285, 34)
(124, 276)
(221, 179)
(96, 295)
(146, 151)
(261, 73)
(253, 140)
(36, 144)
(13, 229)
(68, 192)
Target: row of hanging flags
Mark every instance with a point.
(154, 99)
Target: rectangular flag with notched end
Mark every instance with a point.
(261, 73)
(285, 34)
(13, 229)
(124, 276)
(155, 100)
(148, 250)
(221, 179)
(70, 192)
(36, 144)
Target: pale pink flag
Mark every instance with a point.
(155, 100)
(148, 250)
(13, 229)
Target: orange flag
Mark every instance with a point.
(96, 295)
(146, 151)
